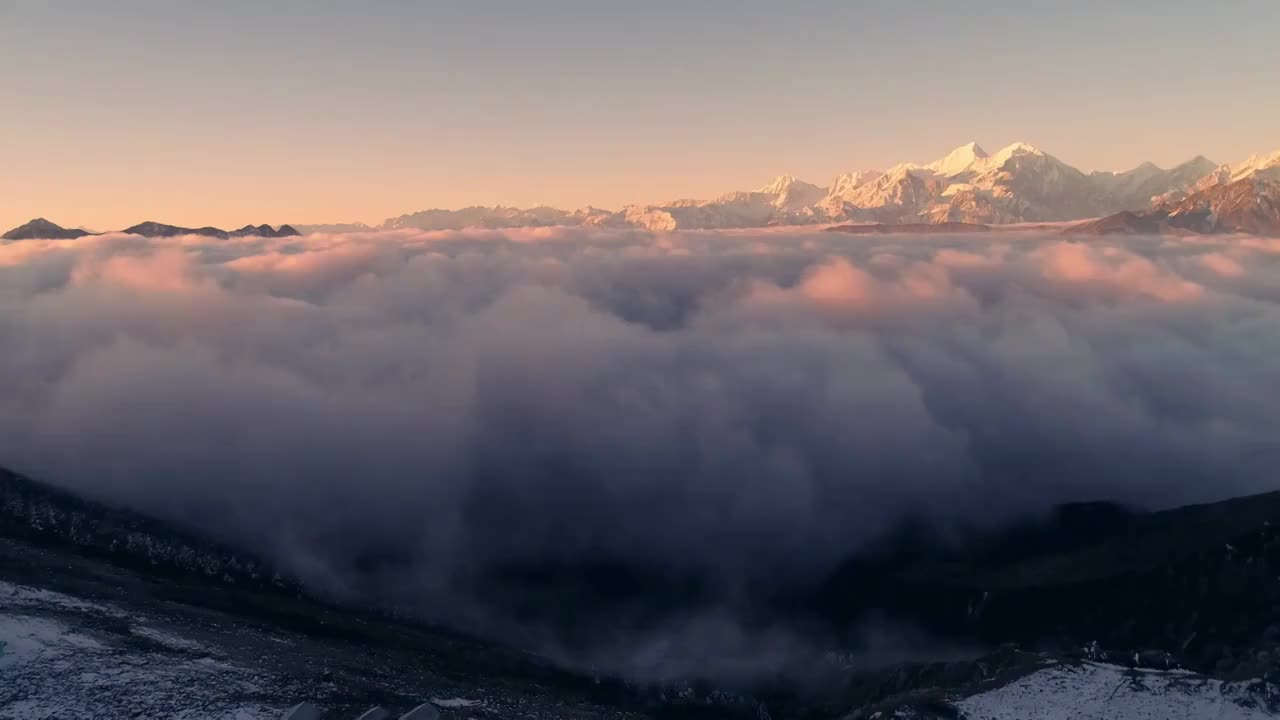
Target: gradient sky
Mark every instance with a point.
(230, 112)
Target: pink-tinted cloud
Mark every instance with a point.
(405, 414)
(1114, 268)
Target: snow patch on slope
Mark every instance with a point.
(958, 160)
(29, 639)
(21, 597)
(58, 660)
(455, 702)
(168, 640)
(1096, 691)
(1254, 165)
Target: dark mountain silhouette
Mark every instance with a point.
(155, 229)
(44, 230)
(265, 231)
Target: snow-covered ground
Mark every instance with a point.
(65, 658)
(1096, 691)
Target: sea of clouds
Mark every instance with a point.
(398, 413)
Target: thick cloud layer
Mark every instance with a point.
(399, 413)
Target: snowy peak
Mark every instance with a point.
(1011, 151)
(779, 185)
(849, 181)
(790, 194)
(1249, 205)
(1255, 165)
(1018, 183)
(959, 160)
(970, 160)
(845, 189)
(1200, 174)
(1021, 148)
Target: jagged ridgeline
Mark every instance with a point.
(42, 229)
(1017, 185)
(47, 516)
(155, 229)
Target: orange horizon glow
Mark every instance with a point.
(241, 113)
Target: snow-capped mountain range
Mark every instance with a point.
(969, 186)
(1019, 183)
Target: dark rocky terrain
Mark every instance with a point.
(1196, 588)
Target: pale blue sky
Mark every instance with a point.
(235, 111)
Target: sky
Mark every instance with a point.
(238, 112)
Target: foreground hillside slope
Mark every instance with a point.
(153, 617)
(1175, 611)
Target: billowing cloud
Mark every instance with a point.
(408, 415)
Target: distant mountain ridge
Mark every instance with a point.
(1017, 184)
(1241, 198)
(155, 229)
(1250, 205)
(42, 229)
